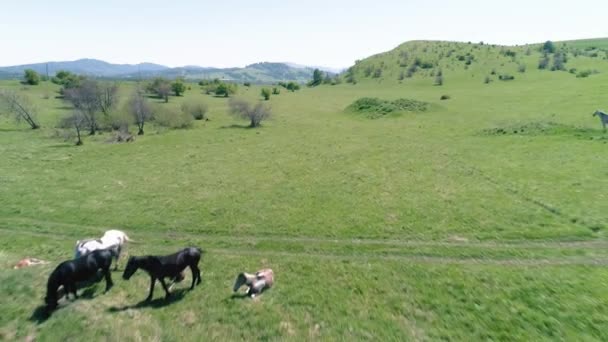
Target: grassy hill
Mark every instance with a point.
(480, 218)
(421, 61)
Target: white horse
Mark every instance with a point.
(111, 239)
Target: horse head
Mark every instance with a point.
(132, 266)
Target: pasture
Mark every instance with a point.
(483, 218)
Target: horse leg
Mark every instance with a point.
(196, 275)
(152, 283)
(71, 288)
(118, 249)
(109, 282)
(162, 282)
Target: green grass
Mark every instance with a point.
(423, 226)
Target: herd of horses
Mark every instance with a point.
(95, 256)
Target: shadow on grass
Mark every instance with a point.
(20, 129)
(157, 303)
(236, 126)
(64, 145)
(40, 315)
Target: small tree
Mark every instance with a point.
(438, 80)
(549, 47)
(317, 78)
(276, 91)
(255, 114)
(20, 108)
(543, 63)
(521, 68)
(31, 77)
(178, 86)
(265, 93)
(140, 110)
(107, 94)
(85, 98)
(76, 120)
(161, 87)
(225, 89)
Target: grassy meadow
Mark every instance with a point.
(482, 218)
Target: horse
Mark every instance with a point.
(83, 268)
(111, 239)
(171, 266)
(256, 283)
(603, 118)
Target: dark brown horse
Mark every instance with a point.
(169, 266)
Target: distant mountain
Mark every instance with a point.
(85, 66)
(265, 72)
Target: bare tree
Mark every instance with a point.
(85, 99)
(20, 107)
(140, 109)
(254, 113)
(76, 120)
(107, 94)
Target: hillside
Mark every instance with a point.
(421, 62)
(255, 73)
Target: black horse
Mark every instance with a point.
(171, 266)
(80, 269)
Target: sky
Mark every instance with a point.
(235, 33)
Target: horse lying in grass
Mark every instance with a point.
(170, 266)
(84, 268)
(111, 239)
(256, 283)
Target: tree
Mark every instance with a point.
(140, 110)
(77, 120)
(31, 77)
(276, 91)
(549, 47)
(225, 89)
(317, 78)
(265, 93)
(107, 94)
(438, 80)
(255, 114)
(85, 98)
(178, 86)
(161, 87)
(19, 107)
(543, 62)
(327, 79)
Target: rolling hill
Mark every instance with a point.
(423, 61)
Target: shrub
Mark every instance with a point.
(543, 63)
(374, 107)
(487, 80)
(254, 113)
(247, 84)
(265, 93)
(31, 77)
(521, 68)
(197, 110)
(276, 91)
(444, 97)
(171, 118)
(586, 73)
(506, 77)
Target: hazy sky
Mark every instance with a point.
(312, 32)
